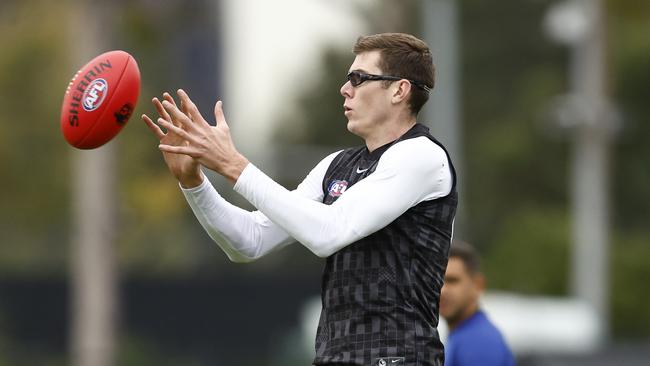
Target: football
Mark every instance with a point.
(100, 99)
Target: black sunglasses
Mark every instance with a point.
(356, 78)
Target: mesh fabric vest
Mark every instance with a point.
(380, 294)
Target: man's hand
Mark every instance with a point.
(185, 168)
(211, 146)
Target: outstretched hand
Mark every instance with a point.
(184, 168)
(193, 137)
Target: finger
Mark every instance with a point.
(191, 109)
(184, 150)
(179, 118)
(219, 115)
(159, 108)
(168, 97)
(184, 107)
(153, 127)
(176, 130)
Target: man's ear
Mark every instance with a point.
(402, 91)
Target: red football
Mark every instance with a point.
(100, 99)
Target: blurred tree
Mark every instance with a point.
(159, 235)
(630, 273)
(630, 57)
(508, 77)
(33, 157)
(515, 263)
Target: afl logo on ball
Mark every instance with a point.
(94, 94)
(337, 188)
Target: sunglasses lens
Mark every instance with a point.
(355, 78)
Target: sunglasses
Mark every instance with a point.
(357, 78)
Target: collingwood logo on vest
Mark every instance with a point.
(388, 361)
(337, 187)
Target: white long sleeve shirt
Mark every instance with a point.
(285, 216)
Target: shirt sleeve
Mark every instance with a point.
(408, 173)
(243, 235)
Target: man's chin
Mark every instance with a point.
(353, 127)
(350, 126)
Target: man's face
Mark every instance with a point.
(367, 105)
(460, 293)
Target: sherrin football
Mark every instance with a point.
(100, 99)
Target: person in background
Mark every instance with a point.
(473, 339)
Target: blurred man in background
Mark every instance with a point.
(382, 213)
(473, 339)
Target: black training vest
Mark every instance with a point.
(380, 294)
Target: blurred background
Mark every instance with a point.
(542, 104)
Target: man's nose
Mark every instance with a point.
(347, 90)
